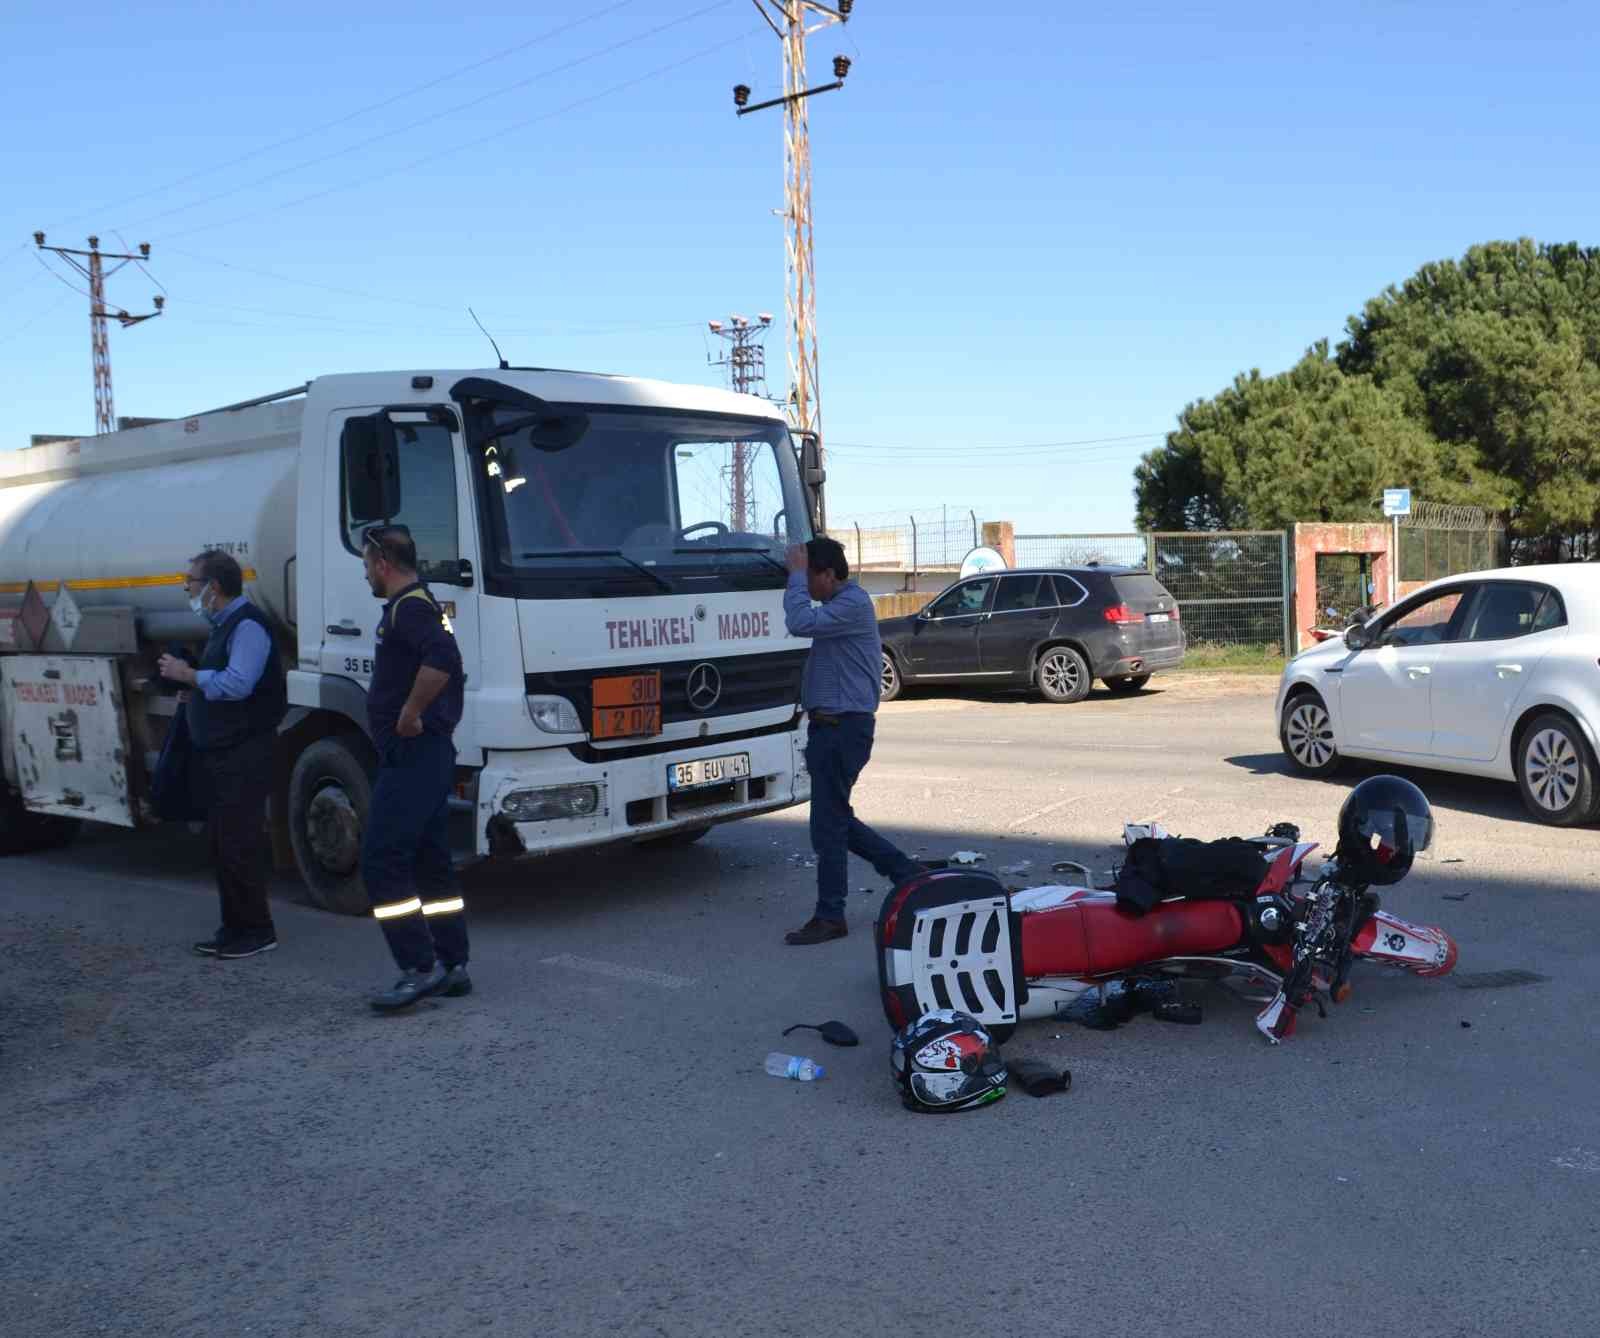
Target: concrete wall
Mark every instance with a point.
(902, 605)
(1309, 540)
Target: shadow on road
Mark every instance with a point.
(1469, 794)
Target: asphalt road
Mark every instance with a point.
(588, 1144)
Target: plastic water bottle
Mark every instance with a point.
(797, 1067)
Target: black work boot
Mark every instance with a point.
(412, 986)
(456, 982)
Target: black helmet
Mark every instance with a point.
(946, 1061)
(1385, 824)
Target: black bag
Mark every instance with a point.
(1224, 870)
(176, 787)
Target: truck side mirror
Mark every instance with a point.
(811, 470)
(371, 468)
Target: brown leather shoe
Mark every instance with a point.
(816, 931)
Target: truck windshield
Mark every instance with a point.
(691, 503)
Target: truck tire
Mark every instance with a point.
(330, 795)
(22, 832)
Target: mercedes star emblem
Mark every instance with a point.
(705, 686)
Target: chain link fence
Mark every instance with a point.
(1438, 540)
(1083, 550)
(1232, 586)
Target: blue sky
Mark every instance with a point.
(1037, 224)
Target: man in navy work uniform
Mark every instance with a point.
(234, 701)
(839, 692)
(413, 707)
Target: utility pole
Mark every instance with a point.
(788, 19)
(746, 361)
(105, 414)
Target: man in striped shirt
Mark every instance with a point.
(839, 693)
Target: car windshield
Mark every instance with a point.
(638, 502)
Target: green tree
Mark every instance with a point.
(1312, 443)
(1476, 380)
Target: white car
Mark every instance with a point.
(1496, 673)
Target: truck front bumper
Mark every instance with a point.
(628, 798)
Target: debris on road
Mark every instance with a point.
(1018, 868)
(1456, 896)
(968, 857)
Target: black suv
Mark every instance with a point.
(1058, 629)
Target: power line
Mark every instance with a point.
(416, 163)
(430, 118)
(36, 318)
(350, 116)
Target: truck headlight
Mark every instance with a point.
(560, 801)
(555, 715)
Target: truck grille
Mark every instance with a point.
(748, 683)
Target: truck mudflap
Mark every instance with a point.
(67, 736)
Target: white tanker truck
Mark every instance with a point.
(609, 551)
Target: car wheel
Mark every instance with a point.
(1062, 675)
(1556, 772)
(330, 795)
(1306, 733)
(1128, 683)
(891, 683)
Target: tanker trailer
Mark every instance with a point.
(618, 609)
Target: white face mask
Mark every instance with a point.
(198, 604)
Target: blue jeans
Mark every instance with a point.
(835, 756)
(405, 854)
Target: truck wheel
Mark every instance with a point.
(674, 840)
(22, 831)
(1062, 675)
(330, 794)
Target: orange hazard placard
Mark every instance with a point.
(627, 706)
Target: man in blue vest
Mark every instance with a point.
(235, 700)
(414, 704)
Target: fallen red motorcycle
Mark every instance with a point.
(954, 938)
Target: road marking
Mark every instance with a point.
(1579, 1159)
(1048, 808)
(617, 971)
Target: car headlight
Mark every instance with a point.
(555, 715)
(560, 801)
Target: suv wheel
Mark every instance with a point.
(1062, 675)
(1555, 771)
(1306, 733)
(891, 684)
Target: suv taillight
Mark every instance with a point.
(1174, 613)
(1121, 613)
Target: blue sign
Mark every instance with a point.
(1397, 501)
